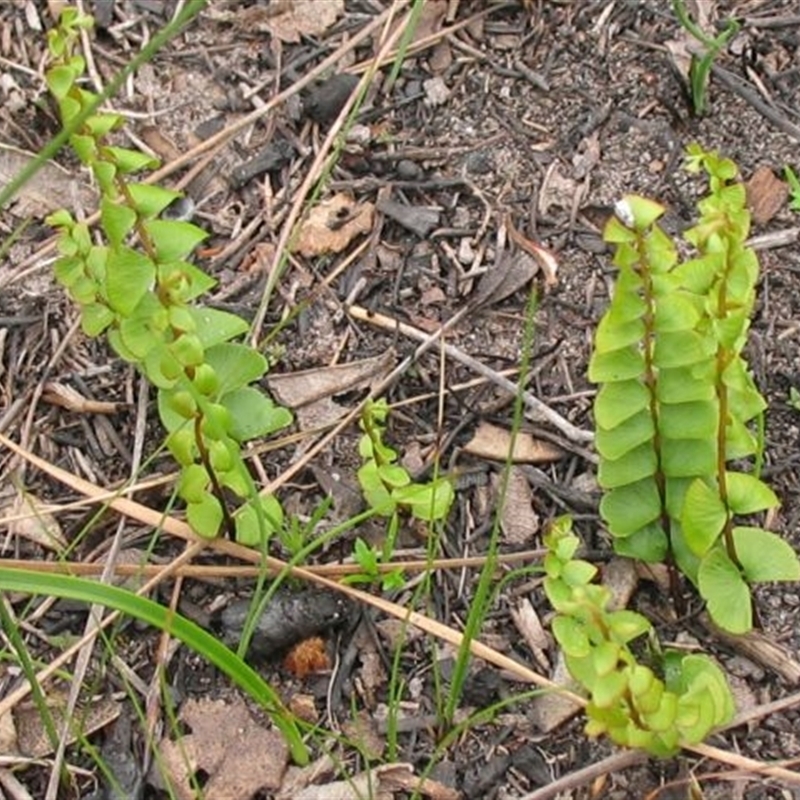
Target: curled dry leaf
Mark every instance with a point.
(530, 628)
(495, 443)
(297, 389)
(381, 783)
(332, 225)
(545, 258)
(49, 189)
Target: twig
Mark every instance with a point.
(572, 780)
(538, 411)
(740, 87)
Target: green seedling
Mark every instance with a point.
(627, 700)
(794, 398)
(700, 67)
(677, 402)
(136, 285)
(794, 188)
(390, 491)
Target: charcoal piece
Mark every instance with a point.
(532, 764)
(209, 127)
(482, 688)
(324, 102)
(103, 12)
(420, 221)
(122, 779)
(481, 778)
(289, 617)
(271, 159)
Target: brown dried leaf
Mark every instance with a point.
(766, 195)
(510, 273)
(8, 735)
(287, 20)
(518, 521)
(556, 190)
(621, 578)
(587, 156)
(32, 738)
(551, 709)
(332, 225)
(495, 443)
(380, 783)
(530, 628)
(545, 258)
(296, 389)
(240, 757)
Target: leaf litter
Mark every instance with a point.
(535, 128)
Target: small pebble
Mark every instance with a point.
(408, 170)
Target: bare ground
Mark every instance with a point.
(525, 122)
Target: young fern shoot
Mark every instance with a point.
(139, 288)
(628, 701)
(677, 400)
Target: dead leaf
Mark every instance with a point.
(332, 225)
(436, 91)
(49, 189)
(621, 578)
(587, 156)
(34, 524)
(240, 757)
(518, 521)
(296, 389)
(420, 220)
(551, 709)
(32, 738)
(504, 278)
(310, 391)
(380, 783)
(364, 730)
(556, 191)
(530, 628)
(544, 257)
(766, 195)
(304, 706)
(8, 735)
(495, 443)
(287, 20)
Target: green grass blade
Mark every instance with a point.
(190, 10)
(192, 635)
